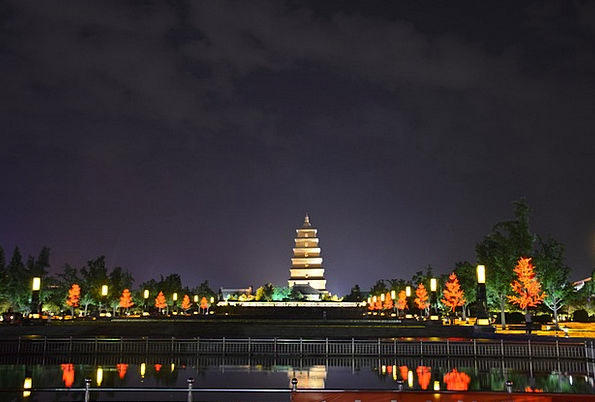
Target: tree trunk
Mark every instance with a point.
(502, 313)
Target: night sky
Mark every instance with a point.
(193, 137)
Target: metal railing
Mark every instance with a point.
(47, 346)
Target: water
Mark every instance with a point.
(161, 374)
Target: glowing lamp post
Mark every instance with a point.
(146, 303)
(35, 304)
(482, 313)
(104, 290)
(408, 295)
(434, 300)
(174, 304)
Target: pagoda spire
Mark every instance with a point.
(306, 221)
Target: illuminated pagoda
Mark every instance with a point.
(307, 272)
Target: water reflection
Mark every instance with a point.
(254, 372)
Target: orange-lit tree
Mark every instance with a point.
(126, 299)
(186, 304)
(74, 297)
(421, 299)
(204, 304)
(453, 295)
(402, 301)
(160, 302)
(388, 302)
(527, 287)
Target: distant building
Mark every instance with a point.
(307, 272)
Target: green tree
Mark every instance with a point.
(265, 293)
(501, 249)
(18, 282)
(467, 275)
(553, 274)
(93, 276)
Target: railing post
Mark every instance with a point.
(294, 382)
(87, 386)
(190, 382)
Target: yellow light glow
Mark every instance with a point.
(410, 379)
(146, 294)
(383, 369)
(393, 294)
(436, 385)
(175, 296)
(195, 298)
(99, 376)
(382, 297)
(408, 291)
(212, 300)
(143, 369)
(481, 274)
(27, 385)
(433, 284)
(173, 366)
(374, 299)
(104, 290)
(36, 284)
(483, 321)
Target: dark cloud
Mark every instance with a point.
(176, 136)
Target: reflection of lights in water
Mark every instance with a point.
(27, 385)
(68, 374)
(122, 370)
(410, 379)
(395, 373)
(313, 377)
(436, 385)
(173, 366)
(143, 370)
(424, 375)
(457, 381)
(99, 376)
(383, 369)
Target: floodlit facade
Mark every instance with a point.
(307, 272)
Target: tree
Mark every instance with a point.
(160, 302)
(74, 297)
(388, 302)
(186, 303)
(204, 304)
(94, 276)
(453, 295)
(126, 299)
(265, 293)
(421, 299)
(527, 287)
(553, 274)
(18, 282)
(467, 276)
(402, 301)
(499, 252)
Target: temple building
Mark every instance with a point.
(307, 272)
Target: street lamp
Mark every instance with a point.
(482, 313)
(174, 307)
(433, 302)
(146, 304)
(408, 295)
(35, 304)
(103, 298)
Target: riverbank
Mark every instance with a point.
(217, 327)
